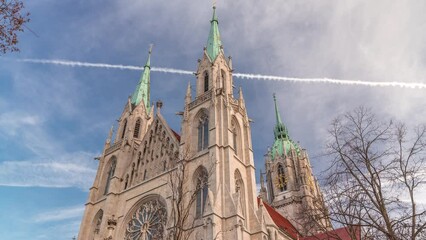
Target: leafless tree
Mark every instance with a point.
(12, 21)
(184, 196)
(376, 171)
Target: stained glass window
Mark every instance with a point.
(148, 222)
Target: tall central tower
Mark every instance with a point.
(216, 134)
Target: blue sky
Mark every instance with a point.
(54, 119)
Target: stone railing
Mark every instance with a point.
(113, 147)
(200, 99)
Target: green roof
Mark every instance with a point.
(213, 42)
(142, 91)
(282, 144)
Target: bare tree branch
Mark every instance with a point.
(375, 167)
(12, 21)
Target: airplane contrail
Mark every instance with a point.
(237, 75)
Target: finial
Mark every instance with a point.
(150, 48)
(261, 179)
(148, 61)
(110, 134)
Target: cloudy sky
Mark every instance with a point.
(54, 119)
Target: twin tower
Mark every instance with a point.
(154, 183)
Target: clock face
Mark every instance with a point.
(280, 181)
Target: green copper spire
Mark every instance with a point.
(142, 91)
(280, 130)
(213, 42)
(282, 144)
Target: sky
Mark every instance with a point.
(54, 119)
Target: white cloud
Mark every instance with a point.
(60, 214)
(66, 170)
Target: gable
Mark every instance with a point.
(155, 154)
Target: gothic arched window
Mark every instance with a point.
(137, 128)
(97, 221)
(110, 175)
(144, 174)
(206, 81)
(235, 136)
(123, 133)
(203, 133)
(239, 188)
(147, 222)
(132, 173)
(126, 182)
(281, 179)
(202, 190)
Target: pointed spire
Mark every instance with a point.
(142, 91)
(277, 114)
(110, 134)
(188, 96)
(241, 97)
(280, 130)
(213, 43)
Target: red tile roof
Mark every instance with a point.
(176, 135)
(337, 234)
(282, 222)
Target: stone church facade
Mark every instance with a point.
(153, 183)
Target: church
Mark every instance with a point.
(155, 183)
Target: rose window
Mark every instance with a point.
(147, 222)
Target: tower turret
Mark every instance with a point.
(291, 186)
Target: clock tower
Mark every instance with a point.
(292, 188)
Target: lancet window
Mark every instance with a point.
(137, 128)
(110, 175)
(203, 133)
(202, 190)
(123, 133)
(206, 81)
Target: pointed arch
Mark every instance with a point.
(146, 219)
(202, 123)
(236, 136)
(132, 174)
(240, 189)
(96, 224)
(123, 132)
(201, 189)
(206, 81)
(136, 132)
(110, 175)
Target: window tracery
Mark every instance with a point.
(206, 81)
(110, 175)
(202, 190)
(148, 222)
(203, 133)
